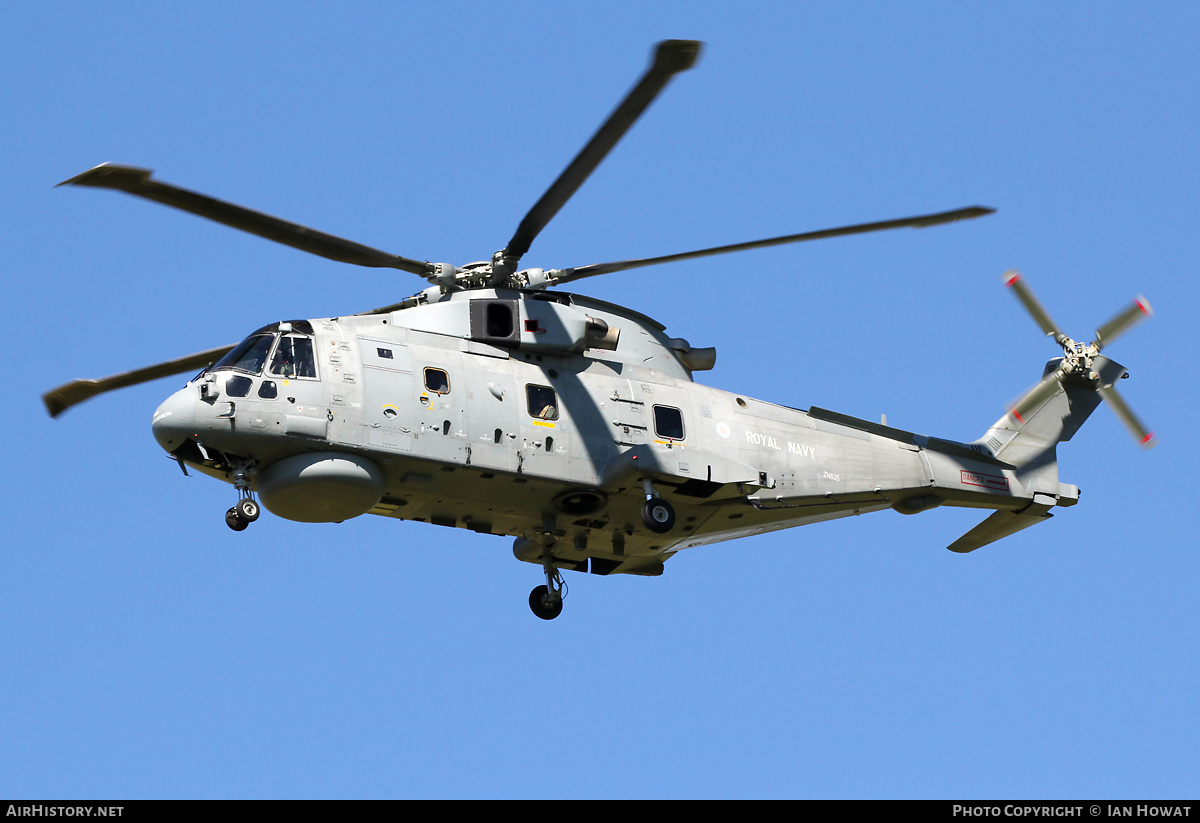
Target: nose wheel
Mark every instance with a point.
(247, 509)
(243, 514)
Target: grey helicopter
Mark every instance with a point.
(492, 403)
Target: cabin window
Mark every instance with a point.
(294, 358)
(268, 390)
(542, 402)
(437, 381)
(238, 386)
(668, 422)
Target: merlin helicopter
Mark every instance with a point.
(490, 402)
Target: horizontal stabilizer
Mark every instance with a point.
(1001, 523)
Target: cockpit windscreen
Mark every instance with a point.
(247, 356)
(292, 356)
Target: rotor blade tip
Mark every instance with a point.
(1144, 305)
(676, 55)
(110, 175)
(1010, 277)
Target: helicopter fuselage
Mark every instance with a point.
(549, 417)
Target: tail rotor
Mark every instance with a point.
(1082, 364)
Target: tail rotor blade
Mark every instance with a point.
(1123, 322)
(1144, 436)
(1035, 398)
(1013, 280)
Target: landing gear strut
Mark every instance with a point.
(547, 601)
(247, 509)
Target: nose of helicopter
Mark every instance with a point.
(175, 419)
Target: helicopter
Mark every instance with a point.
(490, 402)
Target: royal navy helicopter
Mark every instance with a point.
(489, 402)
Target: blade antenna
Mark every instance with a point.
(670, 58)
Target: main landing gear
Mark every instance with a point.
(247, 509)
(547, 601)
(657, 514)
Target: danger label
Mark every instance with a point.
(986, 481)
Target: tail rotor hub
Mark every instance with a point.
(1078, 359)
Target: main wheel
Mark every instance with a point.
(543, 604)
(233, 521)
(247, 510)
(658, 515)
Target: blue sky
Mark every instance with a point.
(148, 651)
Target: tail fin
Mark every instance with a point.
(1048, 414)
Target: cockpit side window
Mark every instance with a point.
(238, 385)
(294, 358)
(249, 355)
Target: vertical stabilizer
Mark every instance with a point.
(1046, 415)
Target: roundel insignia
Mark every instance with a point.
(723, 429)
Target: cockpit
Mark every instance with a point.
(284, 350)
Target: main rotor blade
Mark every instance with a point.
(670, 58)
(1144, 436)
(1013, 279)
(565, 275)
(137, 181)
(75, 392)
(1123, 322)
